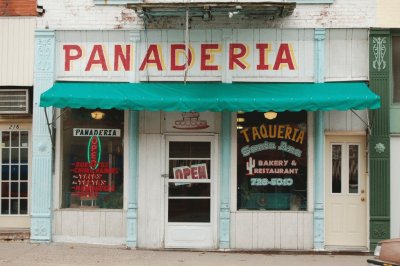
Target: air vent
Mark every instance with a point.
(14, 101)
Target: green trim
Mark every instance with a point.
(379, 141)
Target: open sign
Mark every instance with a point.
(94, 152)
(195, 171)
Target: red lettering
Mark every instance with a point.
(69, 56)
(98, 53)
(263, 53)
(235, 58)
(205, 56)
(124, 57)
(178, 174)
(202, 172)
(186, 172)
(284, 56)
(174, 57)
(194, 172)
(152, 57)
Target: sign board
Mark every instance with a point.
(195, 171)
(255, 53)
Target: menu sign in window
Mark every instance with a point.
(272, 161)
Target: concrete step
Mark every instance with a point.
(15, 234)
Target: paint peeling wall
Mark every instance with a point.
(84, 14)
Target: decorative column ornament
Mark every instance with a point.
(42, 160)
(133, 125)
(319, 137)
(379, 51)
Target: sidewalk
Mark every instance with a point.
(24, 253)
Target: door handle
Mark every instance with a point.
(165, 175)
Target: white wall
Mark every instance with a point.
(394, 187)
(346, 120)
(94, 226)
(272, 230)
(388, 13)
(346, 54)
(16, 51)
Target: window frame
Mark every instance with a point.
(59, 201)
(308, 174)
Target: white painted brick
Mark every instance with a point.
(84, 14)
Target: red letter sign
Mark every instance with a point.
(68, 55)
(284, 56)
(237, 59)
(97, 52)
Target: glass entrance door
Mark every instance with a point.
(189, 191)
(14, 164)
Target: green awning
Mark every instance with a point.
(203, 96)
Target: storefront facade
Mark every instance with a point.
(193, 159)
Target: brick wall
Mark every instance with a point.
(84, 14)
(9, 8)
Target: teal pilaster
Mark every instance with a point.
(131, 230)
(224, 211)
(133, 125)
(319, 124)
(319, 228)
(42, 167)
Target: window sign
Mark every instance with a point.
(92, 159)
(272, 161)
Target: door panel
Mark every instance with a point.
(345, 187)
(189, 192)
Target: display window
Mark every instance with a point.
(92, 158)
(272, 161)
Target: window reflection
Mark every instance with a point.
(353, 168)
(92, 159)
(336, 168)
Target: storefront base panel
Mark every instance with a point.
(272, 230)
(115, 241)
(90, 226)
(12, 222)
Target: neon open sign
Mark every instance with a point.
(94, 152)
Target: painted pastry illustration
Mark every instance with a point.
(190, 121)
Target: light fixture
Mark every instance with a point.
(270, 115)
(240, 119)
(239, 127)
(231, 14)
(97, 114)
